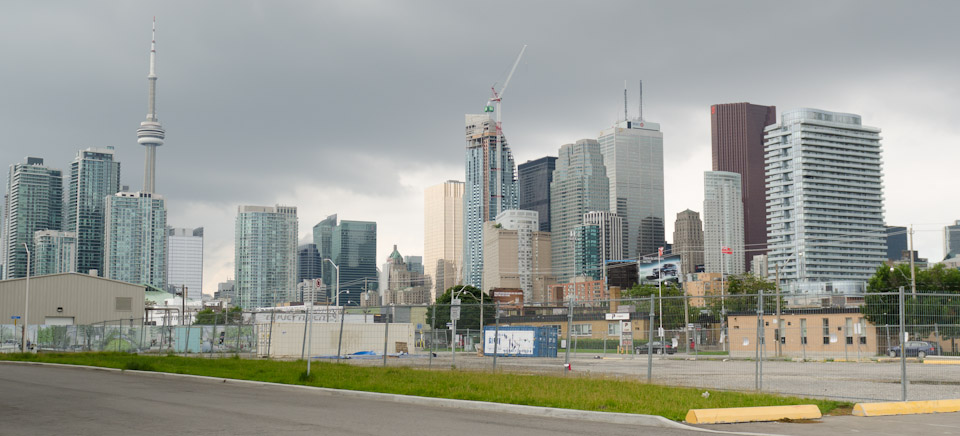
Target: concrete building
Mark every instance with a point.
(633, 156)
(185, 260)
(737, 138)
(760, 266)
(702, 284)
(309, 263)
(323, 239)
(896, 242)
(490, 188)
(71, 299)
(33, 202)
(135, 236)
(580, 185)
(312, 291)
(516, 255)
(226, 291)
(533, 187)
(443, 235)
(951, 240)
(583, 290)
(55, 252)
(400, 285)
(265, 251)
(835, 216)
(723, 223)
(598, 240)
(94, 175)
(833, 333)
(688, 241)
(354, 250)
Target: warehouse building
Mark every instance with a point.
(70, 299)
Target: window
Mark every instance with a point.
(582, 330)
(826, 331)
(613, 329)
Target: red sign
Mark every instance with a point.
(726, 250)
(660, 252)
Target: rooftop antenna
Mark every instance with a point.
(625, 117)
(641, 100)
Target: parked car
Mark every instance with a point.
(916, 348)
(658, 348)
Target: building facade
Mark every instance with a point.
(354, 250)
(517, 255)
(896, 242)
(323, 239)
(33, 202)
(580, 185)
(135, 239)
(265, 253)
(598, 240)
(951, 240)
(833, 221)
(490, 188)
(533, 187)
(185, 260)
(55, 252)
(400, 284)
(737, 139)
(688, 241)
(723, 247)
(94, 175)
(443, 235)
(633, 155)
(309, 263)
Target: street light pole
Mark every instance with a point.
(338, 278)
(26, 303)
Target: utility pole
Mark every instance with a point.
(779, 329)
(913, 274)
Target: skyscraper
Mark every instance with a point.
(354, 247)
(185, 260)
(490, 188)
(533, 186)
(737, 142)
(265, 256)
(824, 197)
(309, 263)
(94, 175)
(135, 238)
(54, 252)
(951, 241)
(896, 242)
(34, 201)
(151, 133)
(688, 241)
(580, 185)
(599, 239)
(323, 239)
(633, 155)
(723, 223)
(443, 235)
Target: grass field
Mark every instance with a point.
(571, 392)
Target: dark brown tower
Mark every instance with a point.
(737, 139)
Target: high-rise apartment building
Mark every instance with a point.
(354, 250)
(951, 241)
(94, 175)
(443, 235)
(55, 252)
(265, 253)
(323, 239)
(185, 260)
(723, 223)
(896, 242)
(580, 185)
(490, 188)
(737, 142)
(633, 155)
(135, 238)
(33, 202)
(309, 263)
(824, 197)
(599, 239)
(517, 255)
(688, 241)
(533, 187)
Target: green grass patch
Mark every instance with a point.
(567, 392)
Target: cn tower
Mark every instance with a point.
(150, 134)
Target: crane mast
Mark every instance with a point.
(497, 97)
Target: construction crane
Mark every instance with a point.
(495, 100)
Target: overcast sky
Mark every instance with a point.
(355, 107)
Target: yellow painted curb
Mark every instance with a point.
(752, 414)
(941, 362)
(906, 408)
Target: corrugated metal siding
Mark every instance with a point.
(86, 298)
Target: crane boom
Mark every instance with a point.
(509, 76)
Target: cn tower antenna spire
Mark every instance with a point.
(151, 133)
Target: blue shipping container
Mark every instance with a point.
(521, 341)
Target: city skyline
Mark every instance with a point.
(102, 97)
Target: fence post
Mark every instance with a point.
(903, 349)
(433, 335)
(386, 331)
(343, 314)
(763, 344)
(566, 359)
(269, 336)
(239, 330)
(303, 347)
(756, 347)
(120, 334)
(650, 343)
(496, 334)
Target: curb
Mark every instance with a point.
(752, 414)
(581, 415)
(906, 408)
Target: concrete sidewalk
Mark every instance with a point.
(928, 424)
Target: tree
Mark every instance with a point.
(209, 316)
(673, 311)
(469, 309)
(741, 295)
(935, 307)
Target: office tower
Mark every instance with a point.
(896, 242)
(414, 263)
(824, 197)
(185, 260)
(323, 239)
(443, 235)
(309, 263)
(951, 241)
(580, 185)
(517, 255)
(688, 241)
(723, 223)
(94, 175)
(599, 239)
(151, 133)
(633, 155)
(55, 252)
(533, 187)
(226, 290)
(135, 238)
(312, 291)
(265, 256)
(354, 250)
(737, 143)
(759, 266)
(401, 283)
(33, 202)
(490, 188)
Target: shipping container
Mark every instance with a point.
(521, 341)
